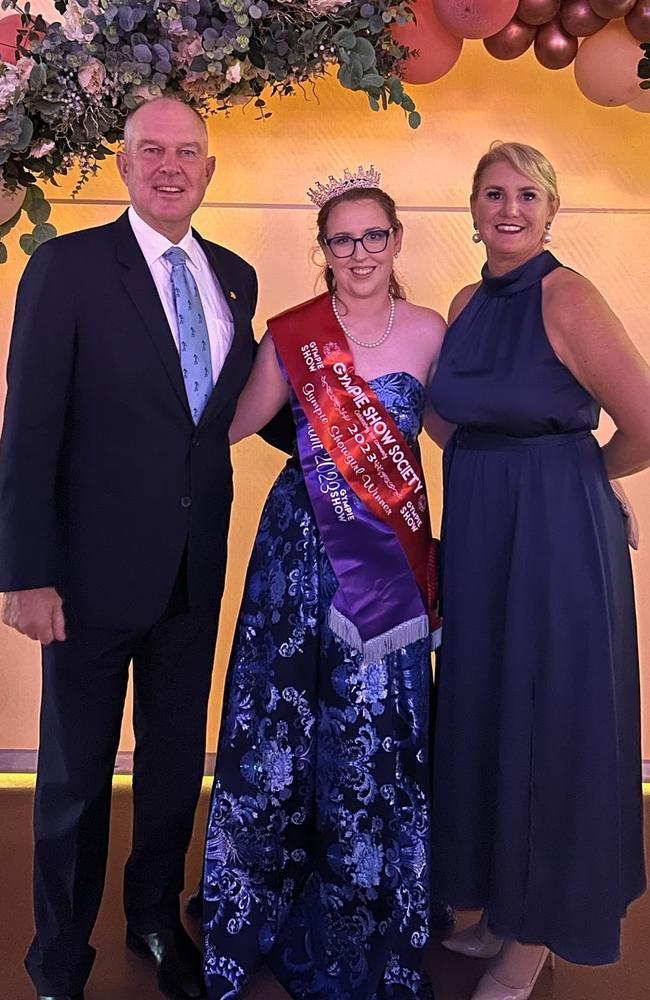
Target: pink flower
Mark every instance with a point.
(233, 73)
(189, 48)
(41, 149)
(326, 6)
(92, 76)
(24, 67)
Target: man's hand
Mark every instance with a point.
(36, 613)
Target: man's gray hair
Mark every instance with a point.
(154, 100)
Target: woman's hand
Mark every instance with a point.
(631, 522)
(263, 396)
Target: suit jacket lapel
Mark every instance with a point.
(233, 374)
(142, 290)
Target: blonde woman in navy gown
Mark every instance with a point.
(537, 783)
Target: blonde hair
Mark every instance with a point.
(526, 159)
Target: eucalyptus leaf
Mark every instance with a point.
(43, 232)
(27, 243)
(39, 211)
(414, 119)
(366, 53)
(26, 133)
(372, 80)
(344, 39)
(395, 89)
(3, 253)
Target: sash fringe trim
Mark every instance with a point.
(379, 646)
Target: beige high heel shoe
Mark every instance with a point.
(490, 986)
(475, 941)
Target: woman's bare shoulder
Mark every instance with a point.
(460, 300)
(423, 316)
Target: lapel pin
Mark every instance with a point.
(233, 295)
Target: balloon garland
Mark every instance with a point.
(561, 32)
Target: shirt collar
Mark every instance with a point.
(153, 244)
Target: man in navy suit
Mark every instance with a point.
(115, 496)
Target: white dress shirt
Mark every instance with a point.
(218, 317)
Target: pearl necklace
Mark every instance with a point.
(366, 343)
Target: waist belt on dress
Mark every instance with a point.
(478, 440)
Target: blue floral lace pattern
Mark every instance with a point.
(317, 857)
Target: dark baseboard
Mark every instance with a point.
(24, 762)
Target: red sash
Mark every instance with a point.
(347, 420)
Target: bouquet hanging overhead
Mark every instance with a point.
(66, 88)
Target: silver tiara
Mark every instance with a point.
(322, 193)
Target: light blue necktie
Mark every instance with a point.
(193, 342)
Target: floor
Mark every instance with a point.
(120, 975)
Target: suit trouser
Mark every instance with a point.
(84, 687)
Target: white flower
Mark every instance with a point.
(73, 22)
(233, 73)
(13, 86)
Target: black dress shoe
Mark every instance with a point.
(179, 962)
(60, 996)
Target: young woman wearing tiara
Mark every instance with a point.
(317, 855)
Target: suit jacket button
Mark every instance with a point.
(195, 441)
(186, 501)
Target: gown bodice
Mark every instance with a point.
(497, 371)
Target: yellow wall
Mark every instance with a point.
(258, 207)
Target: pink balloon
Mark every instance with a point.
(606, 66)
(537, 11)
(641, 103)
(554, 47)
(512, 41)
(438, 50)
(612, 8)
(637, 21)
(10, 202)
(474, 18)
(9, 28)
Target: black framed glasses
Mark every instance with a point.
(373, 241)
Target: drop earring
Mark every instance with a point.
(476, 236)
(547, 235)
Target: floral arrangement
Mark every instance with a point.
(64, 101)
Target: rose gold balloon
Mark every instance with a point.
(637, 21)
(554, 47)
(10, 202)
(612, 8)
(606, 66)
(512, 41)
(537, 11)
(578, 18)
(641, 103)
(474, 18)
(438, 50)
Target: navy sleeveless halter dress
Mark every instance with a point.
(537, 785)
